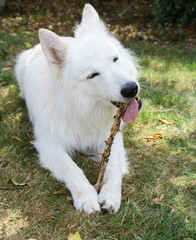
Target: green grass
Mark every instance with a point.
(159, 166)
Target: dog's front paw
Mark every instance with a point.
(87, 202)
(110, 199)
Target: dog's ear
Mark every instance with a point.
(90, 23)
(89, 14)
(53, 47)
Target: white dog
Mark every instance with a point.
(72, 88)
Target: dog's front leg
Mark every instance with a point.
(110, 194)
(54, 158)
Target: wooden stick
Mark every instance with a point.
(109, 142)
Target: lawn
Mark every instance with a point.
(159, 193)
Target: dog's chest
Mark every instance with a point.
(88, 133)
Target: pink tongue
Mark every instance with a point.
(131, 112)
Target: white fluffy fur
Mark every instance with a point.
(70, 112)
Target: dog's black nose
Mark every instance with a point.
(129, 90)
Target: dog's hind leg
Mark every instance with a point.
(54, 158)
(110, 194)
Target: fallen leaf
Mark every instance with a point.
(3, 84)
(17, 183)
(147, 122)
(193, 182)
(154, 137)
(157, 201)
(28, 45)
(165, 122)
(161, 197)
(12, 49)
(6, 222)
(58, 192)
(70, 199)
(5, 69)
(158, 135)
(75, 236)
(150, 138)
(50, 218)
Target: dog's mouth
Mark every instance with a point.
(139, 101)
(117, 104)
(132, 109)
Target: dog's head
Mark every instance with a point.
(93, 63)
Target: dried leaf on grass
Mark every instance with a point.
(70, 199)
(23, 181)
(50, 218)
(3, 84)
(158, 201)
(5, 69)
(58, 192)
(193, 182)
(164, 121)
(75, 236)
(154, 137)
(17, 183)
(28, 45)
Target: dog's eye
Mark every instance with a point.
(93, 75)
(115, 59)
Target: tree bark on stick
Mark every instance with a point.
(109, 142)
